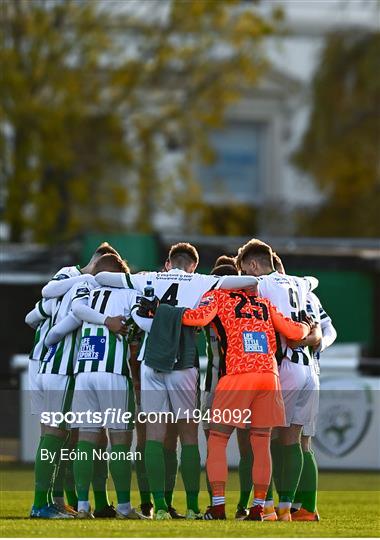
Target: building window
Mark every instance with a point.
(238, 172)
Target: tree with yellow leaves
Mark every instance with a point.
(93, 92)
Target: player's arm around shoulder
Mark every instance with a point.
(248, 283)
(287, 327)
(70, 322)
(62, 282)
(328, 331)
(41, 312)
(205, 312)
(92, 315)
(67, 325)
(112, 279)
(123, 280)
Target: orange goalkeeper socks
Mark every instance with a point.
(262, 464)
(217, 470)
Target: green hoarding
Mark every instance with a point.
(348, 297)
(140, 250)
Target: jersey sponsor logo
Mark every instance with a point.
(255, 342)
(50, 353)
(61, 276)
(92, 348)
(174, 277)
(82, 292)
(206, 301)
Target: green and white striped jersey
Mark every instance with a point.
(100, 349)
(60, 358)
(39, 350)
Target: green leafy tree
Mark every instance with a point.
(92, 93)
(340, 148)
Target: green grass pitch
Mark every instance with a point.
(349, 504)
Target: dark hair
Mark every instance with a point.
(225, 260)
(110, 263)
(224, 270)
(105, 248)
(183, 254)
(255, 249)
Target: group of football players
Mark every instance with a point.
(113, 348)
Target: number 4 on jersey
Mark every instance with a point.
(170, 297)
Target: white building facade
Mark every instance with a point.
(254, 149)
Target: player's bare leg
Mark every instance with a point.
(305, 500)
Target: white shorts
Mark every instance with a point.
(300, 391)
(99, 392)
(176, 392)
(57, 394)
(35, 388)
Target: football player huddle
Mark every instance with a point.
(116, 352)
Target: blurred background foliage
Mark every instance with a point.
(74, 104)
(94, 93)
(341, 147)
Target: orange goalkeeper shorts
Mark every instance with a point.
(248, 400)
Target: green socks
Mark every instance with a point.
(269, 496)
(121, 472)
(171, 467)
(276, 453)
(155, 469)
(245, 477)
(44, 469)
(291, 471)
(308, 484)
(99, 482)
(191, 473)
(64, 481)
(59, 477)
(83, 468)
(69, 485)
(161, 465)
(142, 479)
